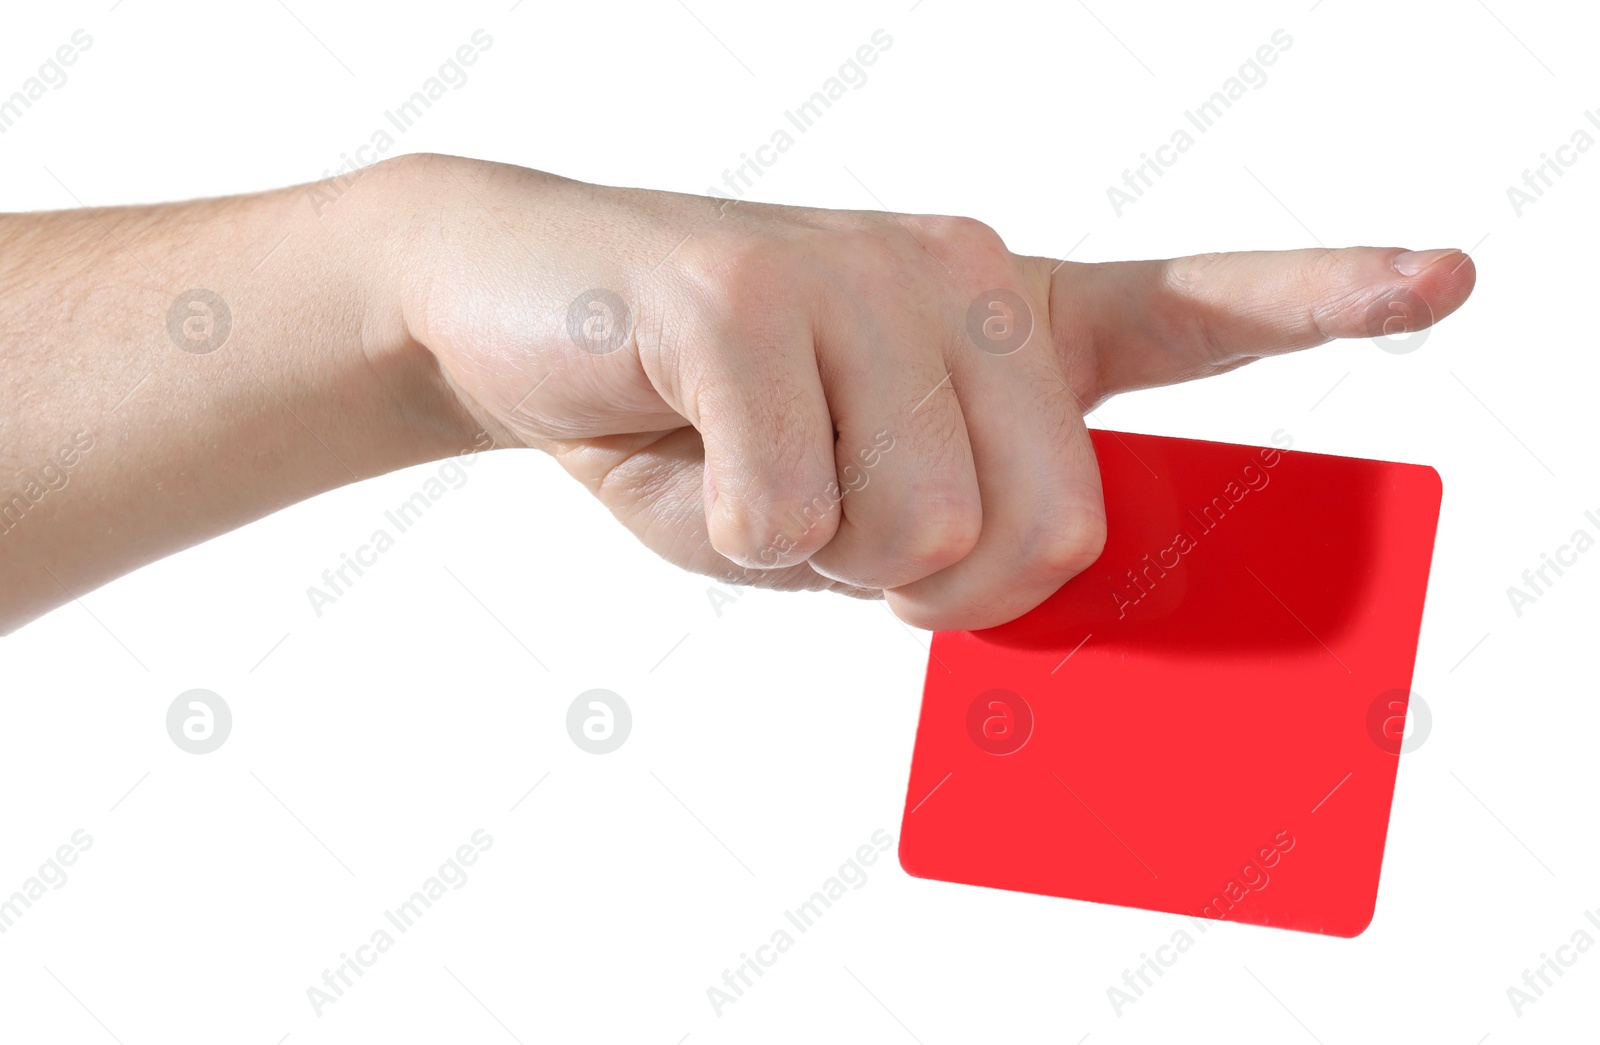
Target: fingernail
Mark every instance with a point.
(1414, 261)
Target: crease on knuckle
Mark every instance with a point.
(944, 532)
(1185, 277)
(1070, 544)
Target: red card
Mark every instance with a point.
(1206, 721)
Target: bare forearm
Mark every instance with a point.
(171, 372)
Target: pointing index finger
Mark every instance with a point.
(1160, 322)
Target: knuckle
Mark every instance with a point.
(927, 618)
(1192, 280)
(942, 533)
(751, 280)
(1069, 547)
(777, 531)
(805, 528)
(968, 235)
(972, 246)
(1326, 266)
(1185, 275)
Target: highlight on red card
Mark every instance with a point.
(1206, 720)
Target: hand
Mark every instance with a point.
(868, 402)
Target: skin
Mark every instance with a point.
(795, 398)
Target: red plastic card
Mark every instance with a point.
(1206, 721)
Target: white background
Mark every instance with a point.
(772, 740)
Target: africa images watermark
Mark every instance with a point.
(52, 874)
(1252, 75)
(852, 875)
(1542, 178)
(1537, 579)
(850, 480)
(52, 75)
(1253, 877)
(599, 721)
(451, 76)
(851, 75)
(452, 875)
(199, 721)
(40, 482)
(1537, 980)
(1142, 578)
(451, 474)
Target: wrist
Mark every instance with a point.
(425, 417)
